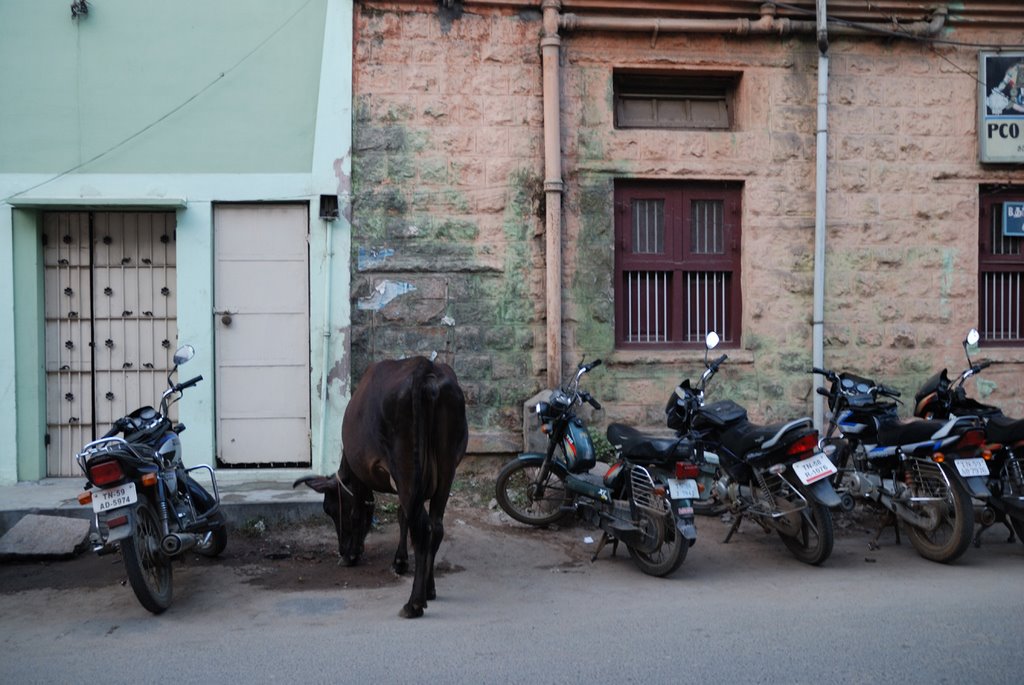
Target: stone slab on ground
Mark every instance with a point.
(40, 537)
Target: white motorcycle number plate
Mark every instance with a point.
(683, 489)
(814, 469)
(971, 467)
(112, 498)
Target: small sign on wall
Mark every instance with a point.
(1001, 107)
(1013, 219)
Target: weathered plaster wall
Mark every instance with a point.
(448, 168)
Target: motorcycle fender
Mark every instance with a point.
(977, 486)
(684, 522)
(118, 532)
(824, 493)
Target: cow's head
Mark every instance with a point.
(349, 508)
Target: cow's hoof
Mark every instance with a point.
(431, 594)
(410, 611)
(400, 567)
(348, 561)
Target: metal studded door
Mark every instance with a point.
(109, 280)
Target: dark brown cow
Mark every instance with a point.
(404, 432)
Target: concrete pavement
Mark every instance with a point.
(246, 495)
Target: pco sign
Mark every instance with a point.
(1001, 107)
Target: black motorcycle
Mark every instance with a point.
(146, 503)
(908, 469)
(644, 500)
(999, 464)
(774, 475)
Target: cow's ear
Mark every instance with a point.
(318, 483)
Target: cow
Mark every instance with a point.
(404, 432)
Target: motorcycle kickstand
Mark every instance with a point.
(604, 541)
(890, 520)
(733, 529)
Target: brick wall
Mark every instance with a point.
(448, 208)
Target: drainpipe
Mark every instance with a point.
(550, 44)
(820, 178)
(325, 362)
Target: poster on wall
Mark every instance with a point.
(1001, 107)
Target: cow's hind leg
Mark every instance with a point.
(401, 563)
(419, 531)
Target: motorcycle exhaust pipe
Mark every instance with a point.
(986, 516)
(176, 543)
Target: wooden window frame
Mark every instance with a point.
(678, 263)
(685, 88)
(1006, 269)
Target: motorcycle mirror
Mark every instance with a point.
(972, 337)
(712, 340)
(183, 354)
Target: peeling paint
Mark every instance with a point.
(384, 293)
(367, 259)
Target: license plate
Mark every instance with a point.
(814, 469)
(113, 498)
(683, 489)
(971, 467)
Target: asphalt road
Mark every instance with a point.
(526, 606)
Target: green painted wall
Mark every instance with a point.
(159, 87)
(29, 350)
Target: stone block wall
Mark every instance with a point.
(448, 209)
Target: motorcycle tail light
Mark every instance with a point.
(685, 470)
(805, 444)
(105, 472)
(971, 441)
(149, 479)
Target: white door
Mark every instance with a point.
(261, 281)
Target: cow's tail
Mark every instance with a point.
(424, 405)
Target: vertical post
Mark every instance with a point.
(821, 159)
(550, 44)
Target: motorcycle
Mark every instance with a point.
(643, 500)
(914, 470)
(941, 398)
(145, 502)
(774, 475)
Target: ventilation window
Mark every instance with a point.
(672, 101)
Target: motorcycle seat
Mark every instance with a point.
(909, 432)
(639, 446)
(750, 439)
(1004, 429)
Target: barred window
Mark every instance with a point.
(1000, 268)
(677, 266)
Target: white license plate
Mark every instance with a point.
(113, 498)
(814, 469)
(683, 489)
(971, 467)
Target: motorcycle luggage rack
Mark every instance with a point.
(925, 475)
(643, 491)
(216, 493)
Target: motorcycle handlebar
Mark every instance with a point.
(823, 391)
(189, 383)
(114, 430)
(593, 403)
(885, 390)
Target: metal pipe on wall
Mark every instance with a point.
(820, 179)
(550, 44)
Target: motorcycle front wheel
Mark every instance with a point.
(521, 495)
(666, 558)
(149, 571)
(812, 542)
(952, 535)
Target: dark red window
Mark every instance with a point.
(1001, 267)
(677, 263)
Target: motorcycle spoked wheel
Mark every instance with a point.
(516, 488)
(952, 534)
(809, 535)
(668, 556)
(149, 571)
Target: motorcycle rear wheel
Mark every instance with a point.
(951, 538)
(218, 538)
(149, 571)
(666, 558)
(813, 543)
(516, 488)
